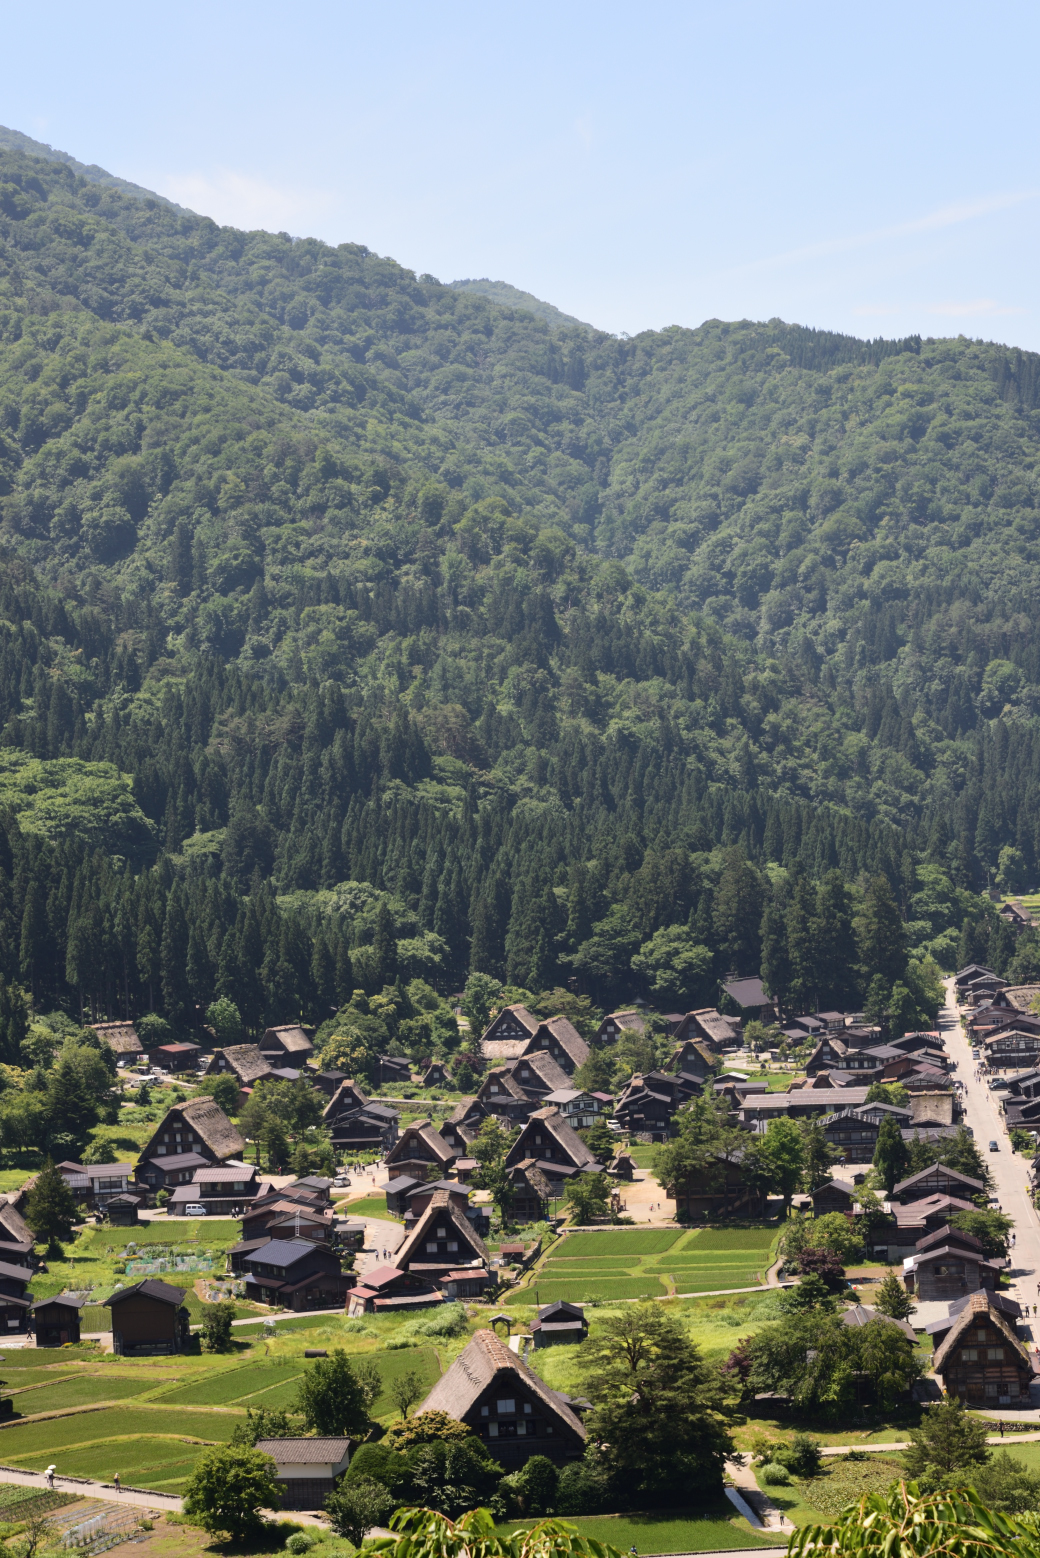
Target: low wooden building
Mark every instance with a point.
(558, 1323)
(122, 1211)
(176, 1057)
(837, 1195)
(307, 1470)
(981, 1360)
(97, 1183)
(288, 1045)
(938, 1180)
(149, 1319)
(55, 1322)
(299, 1274)
(420, 1152)
(388, 1290)
(721, 1192)
(949, 1264)
(853, 1133)
(505, 1404)
(437, 1075)
(224, 1189)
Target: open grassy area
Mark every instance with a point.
(368, 1206)
(841, 1482)
(648, 1262)
(714, 1527)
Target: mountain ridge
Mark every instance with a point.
(505, 293)
(561, 650)
(15, 140)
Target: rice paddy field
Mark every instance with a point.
(622, 1263)
(148, 1419)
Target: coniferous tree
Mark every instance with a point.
(891, 1155)
(833, 943)
(50, 1208)
(173, 959)
(881, 934)
(738, 914)
(776, 959)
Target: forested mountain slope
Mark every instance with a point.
(515, 630)
(514, 297)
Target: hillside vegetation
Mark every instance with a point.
(547, 650)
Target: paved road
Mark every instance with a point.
(1008, 1169)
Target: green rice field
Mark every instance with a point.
(623, 1263)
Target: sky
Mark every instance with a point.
(870, 169)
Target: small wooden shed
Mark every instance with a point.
(55, 1321)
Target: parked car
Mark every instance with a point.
(196, 1208)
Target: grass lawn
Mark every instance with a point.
(296, 1323)
(177, 1231)
(368, 1206)
(716, 1528)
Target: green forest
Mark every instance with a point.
(359, 630)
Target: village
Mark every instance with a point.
(911, 1209)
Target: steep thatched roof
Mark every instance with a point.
(245, 1060)
(213, 1126)
(440, 1208)
(119, 1036)
(484, 1362)
(979, 1305)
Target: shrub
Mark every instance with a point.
(299, 1543)
(774, 1475)
(227, 1489)
(582, 1489)
(801, 1457)
(356, 1506)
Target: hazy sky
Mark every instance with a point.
(868, 168)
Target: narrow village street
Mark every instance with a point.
(983, 1114)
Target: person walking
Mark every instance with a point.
(115, 1481)
(50, 1477)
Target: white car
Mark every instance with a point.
(195, 1209)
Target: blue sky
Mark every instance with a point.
(872, 169)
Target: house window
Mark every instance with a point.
(527, 1406)
(505, 1406)
(431, 1247)
(969, 1354)
(995, 1354)
(453, 1244)
(485, 1411)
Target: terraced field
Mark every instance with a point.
(624, 1263)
